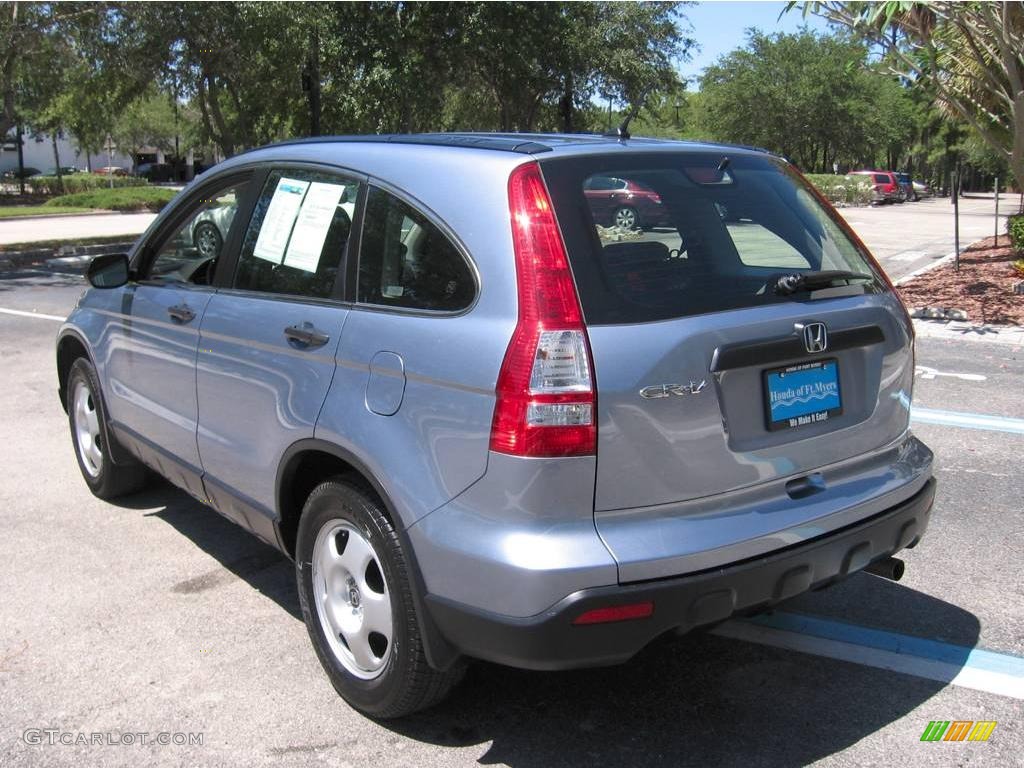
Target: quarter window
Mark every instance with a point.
(298, 234)
(406, 261)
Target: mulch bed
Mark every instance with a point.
(983, 288)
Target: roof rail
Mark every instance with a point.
(499, 142)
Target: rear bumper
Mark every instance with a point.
(551, 641)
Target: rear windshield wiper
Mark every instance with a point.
(807, 281)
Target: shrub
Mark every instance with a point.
(80, 182)
(1015, 229)
(124, 199)
(843, 190)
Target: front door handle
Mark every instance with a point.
(306, 335)
(180, 313)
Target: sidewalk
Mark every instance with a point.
(65, 227)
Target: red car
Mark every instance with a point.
(887, 186)
(623, 203)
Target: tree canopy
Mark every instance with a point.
(808, 97)
(969, 54)
(256, 72)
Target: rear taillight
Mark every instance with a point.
(546, 404)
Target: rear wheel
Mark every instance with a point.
(356, 598)
(626, 218)
(88, 421)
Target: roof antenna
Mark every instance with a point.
(622, 132)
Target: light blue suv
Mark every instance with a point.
(485, 421)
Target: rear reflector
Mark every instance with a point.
(545, 391)
(615, 613)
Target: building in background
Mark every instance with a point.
(38, 153)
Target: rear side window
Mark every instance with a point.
(406, 261)
(298, 234)
(692, 233)
(881, 178)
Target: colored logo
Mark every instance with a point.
(958, 730)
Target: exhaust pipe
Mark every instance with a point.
(888, 568)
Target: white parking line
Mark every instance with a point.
(981, 670)
(908, 256)
(968, 420)
(40, 315)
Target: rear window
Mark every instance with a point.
(691, 233)
(881, 178)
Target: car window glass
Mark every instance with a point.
(296, 240)
(692, 233)
(192, 253)
(406, 261)
(758, 246)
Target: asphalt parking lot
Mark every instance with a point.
(155, 615)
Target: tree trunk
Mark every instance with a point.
(565, 106)
(313, 79)
(56, 162)
(223, 136)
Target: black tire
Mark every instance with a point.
(208, 239)
(105, 479)
(626, 217)
(406, 683)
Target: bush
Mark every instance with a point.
(124, 199)
(80, 182)
(843, 190)
(1015, 229)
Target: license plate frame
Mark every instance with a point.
(798, 401)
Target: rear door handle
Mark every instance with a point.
(306, 335)
(180, 313)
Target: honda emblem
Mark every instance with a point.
(815, 337)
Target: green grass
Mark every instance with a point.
(16, 211)
(123, 199)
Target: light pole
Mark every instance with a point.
(110, 147)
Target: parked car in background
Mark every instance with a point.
(484, 424)
(155, 172)
(26, 172)
(65, 170)
(907, 185)
(210, 228)
(623, 203)
(922, 190)
(886, 186)
(111, 170)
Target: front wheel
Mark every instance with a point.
(88, 420)
(208, 240)
(356, 598)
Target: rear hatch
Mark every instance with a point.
(744, 339)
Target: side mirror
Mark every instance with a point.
(108, 271)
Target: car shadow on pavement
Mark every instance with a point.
(237, 550)
(696, 700)
(700, 700)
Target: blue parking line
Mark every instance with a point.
(922, 648)
(968, 420)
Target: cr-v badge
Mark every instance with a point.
(668, 390)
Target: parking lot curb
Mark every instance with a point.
(37, 256)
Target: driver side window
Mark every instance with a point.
(192, 253)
